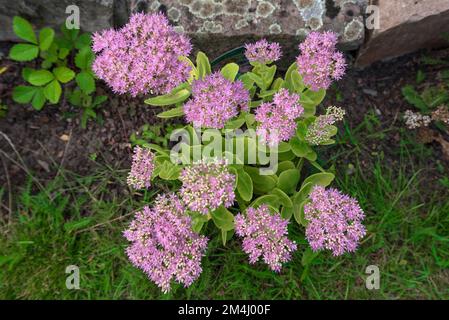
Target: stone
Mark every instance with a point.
(405, 26)
(94, 14)
(220, 25)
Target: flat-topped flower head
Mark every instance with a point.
(207, 186)
(319, 62)
(215, 101)
(163, 244)
(142, 57)
(141, 169)
(334, 221)
(263, 51)
(276, 119)
(265, 236)
(322, 129)
(414, 120)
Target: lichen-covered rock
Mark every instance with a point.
(406, 26)
(213, 23)
(94, 14)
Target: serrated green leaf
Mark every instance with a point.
(23, 94)
(46, 37)
(84, 58)
(39, 99)
(26, 72)
(63, 74)
(24, 30)
(86, 82)
(52, 91)
(83, 41)
(63, 53)
(24, 52)
(40, 77)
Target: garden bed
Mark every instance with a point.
(76, 206)
(53, 138)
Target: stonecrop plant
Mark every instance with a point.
(246, 158)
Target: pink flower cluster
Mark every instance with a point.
(164, 245)
(263, 51)
(142, 57)
(277, 119)
(206, 186)
(319, 63)
(335, 221)
(215, 101)
(141, 169)
(265, 234)
(321, 130)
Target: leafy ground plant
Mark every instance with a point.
(59, 65)
(253, 191)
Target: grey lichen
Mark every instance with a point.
(242, 23)
(179, 29)
(302, 32)
(174, 14)
(354, 30)
(155, 5)
(314, 23)
(211, 26)
(265, 9)
(236, 7)
(312, 12)
(275, 28)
